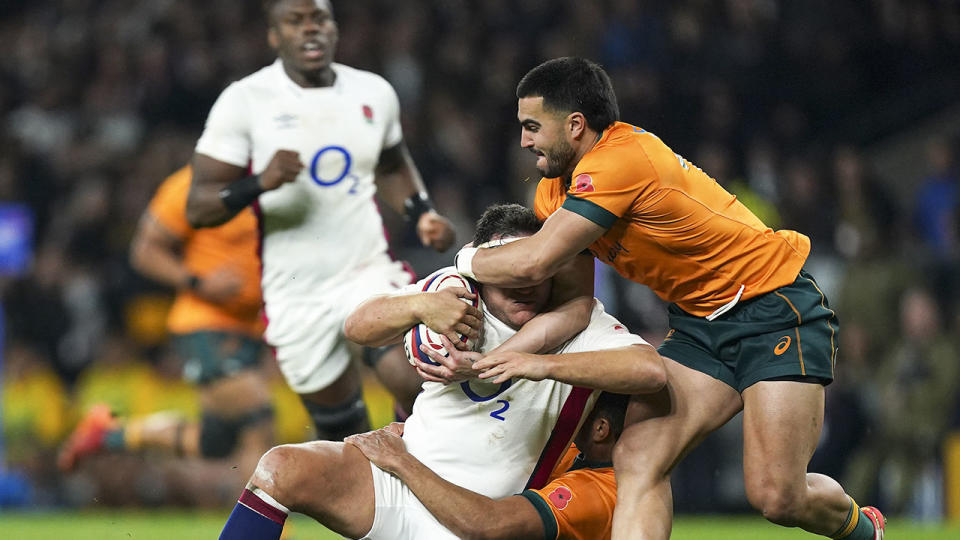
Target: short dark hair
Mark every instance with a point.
(572, 84)
(505, 220)
(268, 6)
(613, 407)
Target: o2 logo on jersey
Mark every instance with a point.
(477, 398)
(329, 155)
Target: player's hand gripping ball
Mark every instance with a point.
(421, 335)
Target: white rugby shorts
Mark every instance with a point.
(307, 334)
(399, 513)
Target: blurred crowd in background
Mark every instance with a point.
(840, 119)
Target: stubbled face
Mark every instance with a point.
(516, 306)
(304, 35)
(542, 132)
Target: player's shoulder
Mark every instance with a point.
(605, 327)
(266, 80)
(623, 153)
(599, 314)
(423, 283)
(438, 273)
(176, 184)
(589, 474)
(619, 143)
(362, 79)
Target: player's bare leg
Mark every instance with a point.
(781, 427)
(662, 428)
(171, 432)
(338, 410)
(258, 434)
(328, 481)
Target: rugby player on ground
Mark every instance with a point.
(577, 504)
(494, 438)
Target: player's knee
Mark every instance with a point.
(338, 421)
(779, 503)
(276, 474)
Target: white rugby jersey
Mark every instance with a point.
(320, 229)
(498, 440)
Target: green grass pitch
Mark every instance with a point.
(186, 525)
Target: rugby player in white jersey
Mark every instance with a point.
(322, 138)
(497, 433)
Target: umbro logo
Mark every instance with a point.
(286, 121)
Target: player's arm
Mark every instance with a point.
(400, 186)
(220, 190)
(634, 369)
(572, 296)
(533, 259)
(382, 320)
(466, 513)
(567, 314)
(155, 252)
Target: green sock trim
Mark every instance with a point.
(864, 529)
(846, 523)
(114, 440)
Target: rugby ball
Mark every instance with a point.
(420, 334)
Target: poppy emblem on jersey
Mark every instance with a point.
(619, 328)
(560, 497)
(782, 345)
(583, 183)
(368, 113)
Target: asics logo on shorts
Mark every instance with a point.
(782, 345)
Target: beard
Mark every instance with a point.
(558, 159)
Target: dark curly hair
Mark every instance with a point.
(505, 220)
(572, 84)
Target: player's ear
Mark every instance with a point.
(576, 124)
(601, 430)
(272, 38)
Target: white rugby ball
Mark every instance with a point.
(420, 334)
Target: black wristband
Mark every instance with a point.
(239, 194)
(416, 206)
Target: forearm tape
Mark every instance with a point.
(239, 194)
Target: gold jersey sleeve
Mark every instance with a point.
(233, 245)
(671, 226)
(577, 505)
